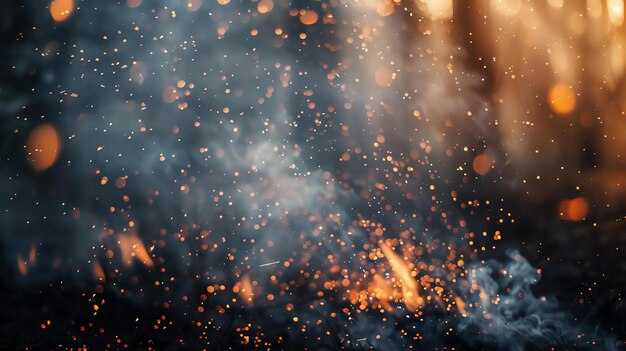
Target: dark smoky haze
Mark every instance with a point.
(312, 175)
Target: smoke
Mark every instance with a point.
(505, 313)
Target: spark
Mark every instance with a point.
(269, 264)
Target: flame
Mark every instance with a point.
(245, 289)
(22, 265)
(98, 272)
(460, 304)
(402, 273)
(32, 255)
(131, 246)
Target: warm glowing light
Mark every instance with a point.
(507, 8)
(43, 147)
(401, 272)
(594, 8)
(562, 99)
(481, 164)
(557, 4)
(61, 9)
(385, 8)
(308, 17)
(440, 9)
(616, 11)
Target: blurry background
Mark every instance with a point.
(231, 174)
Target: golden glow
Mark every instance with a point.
(616, 11)
(562, 99)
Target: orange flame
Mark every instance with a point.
(22, 265)
(460, 304)
(402, 273)
(98, 272)
(131, 246)
(32, 255)
(245, 289)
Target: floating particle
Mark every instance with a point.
(269, 264)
